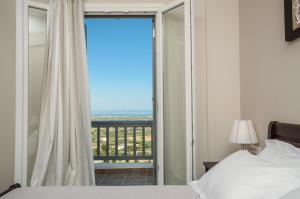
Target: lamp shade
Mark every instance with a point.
(243, 132)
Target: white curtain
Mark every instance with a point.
(64, 155)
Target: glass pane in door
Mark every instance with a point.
(37, 32)
(174, 97)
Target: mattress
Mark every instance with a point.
(107, 192)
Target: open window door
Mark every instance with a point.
(176, 151)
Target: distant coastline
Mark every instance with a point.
(122, 116)
(121, 113)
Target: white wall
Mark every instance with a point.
(217, 78)
(7, 90)
(223, 75)
(200, 79)
(269, 66)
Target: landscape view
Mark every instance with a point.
(121, 88)
(127, 117)
(122, 116)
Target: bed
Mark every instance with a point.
(269, 175)
(126, 192)
(239, 176)
(295, 194)
(285, 132)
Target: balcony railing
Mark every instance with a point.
(122, 140)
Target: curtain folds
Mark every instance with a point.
(64, 154)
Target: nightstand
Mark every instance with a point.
(209, 165)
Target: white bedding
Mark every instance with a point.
(295, 194)
(246, 176)
(125, 192)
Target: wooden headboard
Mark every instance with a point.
(285, 132)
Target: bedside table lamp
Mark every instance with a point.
(243, 133)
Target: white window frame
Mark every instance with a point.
(188, 83)
(21, 124)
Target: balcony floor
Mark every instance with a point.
(124, 177)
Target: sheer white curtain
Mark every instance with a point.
(64, 155)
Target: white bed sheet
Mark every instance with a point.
(124, 192)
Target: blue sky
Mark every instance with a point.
(120, 64)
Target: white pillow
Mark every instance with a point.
(283, 147)
(280, 153)
(245, 176)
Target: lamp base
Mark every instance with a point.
(244, 146)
